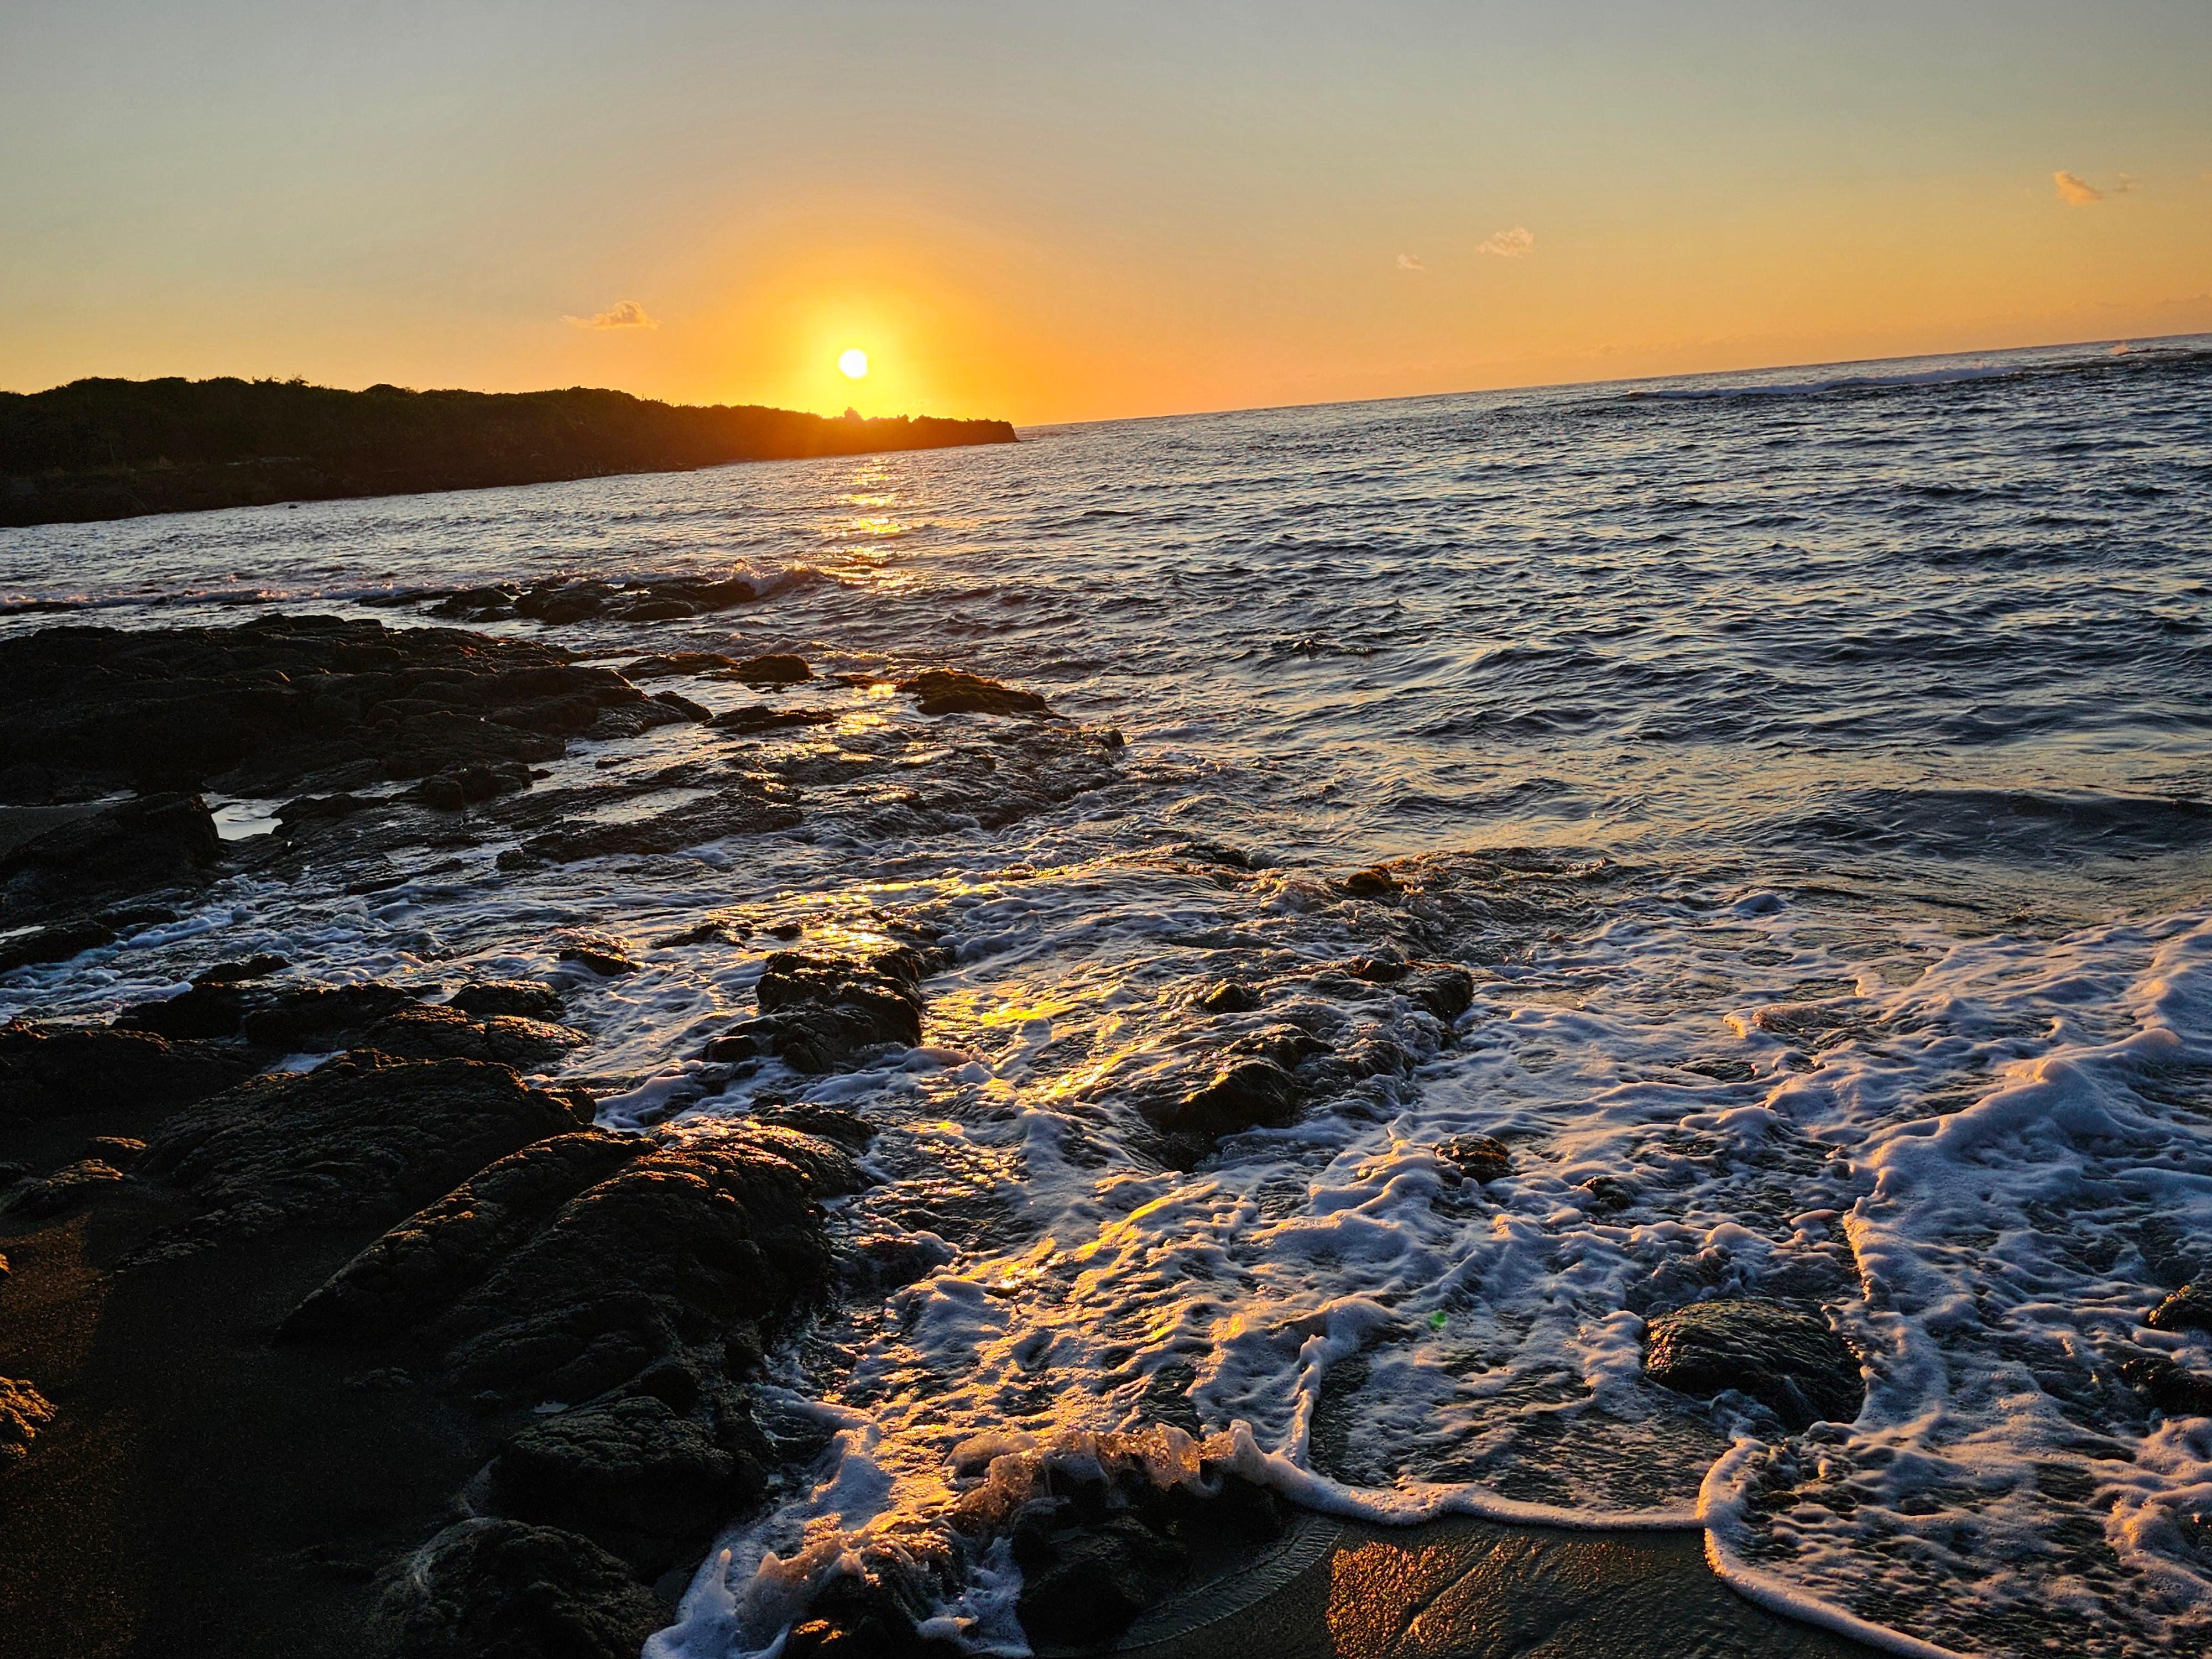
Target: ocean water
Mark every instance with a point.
(1814, 769)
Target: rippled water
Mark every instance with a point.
(1813, 766)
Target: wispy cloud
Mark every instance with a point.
(2126, 187)
(1411, 262)
(2074, 191)
(1515, 243)
(624, 314)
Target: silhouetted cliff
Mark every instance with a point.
(114, 449)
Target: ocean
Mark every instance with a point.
(1813, 766)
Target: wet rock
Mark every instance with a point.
(635, 1475)
(361, 1137)
(759, 717)
(668, 665)
(606, 957)
(1481, 1158)
(568, 1270)
(49, 1070)
(949, 691)
(2170, 1387)
(1444, 990)
(55, 942)
(869, 1615)
(1105, 1526)
(66, 1188)
(697, 713)
(133, 847)
(485, 999)
(1084, 1589)
(427, 1262)
(1289, 1046)
(310, 809)
(23, 1412)
(1228, 996)
(204, 1011)
(283, 705)
(841, 1128)
(443, 1033)
(817, 1013)
(1377, 882)
(1785, 1357)
(742, 811)
(1250, 1094)
(118, 1149)
(1609, 1194)
(774, 669)
(312, 1019)
(2189, 1308)
(503, 1589)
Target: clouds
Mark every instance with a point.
(1515, 243)
(1411, 262)
(624, 314)
(2074, 191)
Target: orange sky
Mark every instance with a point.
(1050, 213)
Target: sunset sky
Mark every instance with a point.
(1061, 211)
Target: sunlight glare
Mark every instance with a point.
(855, 362)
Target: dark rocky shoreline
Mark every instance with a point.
(401, 1354)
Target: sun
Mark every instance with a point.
(854, 363)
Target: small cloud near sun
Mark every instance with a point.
(624, 314)
(1411, 262)
(1515, 243)
(2074, 191)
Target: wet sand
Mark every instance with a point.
(1472, 1589)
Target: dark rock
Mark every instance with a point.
(569, 1271)
(774, 669)
(1084, 1590)
(57, 942)
(51, 1070)
(1444, 990)
(741, 811)
(428, 1260)
(635, 1475)
(1377, 882)
(1786, 1358)
(133, 847)
(1247, 1095)
(691, 711)
(485, 999)
(841, 1129)
(1289, 1046)
(423, 1032)
(759, 717)
(361, 1137)
(603, 955)
(66, 1188)
(2189, 1308)
(309, 809)
(23, 1412)
(1227, 996)
(871, 1615)
(204, 1010)
(2168, 1386)
(441, 793)
(117, 1150)
(1609, 1194)
(817, 1013)
(503, 1589)
(281, 702)
(949, 691)
(319, 1018)
(670, 664)
(1482, 1158)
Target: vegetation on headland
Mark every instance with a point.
(112, 449)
